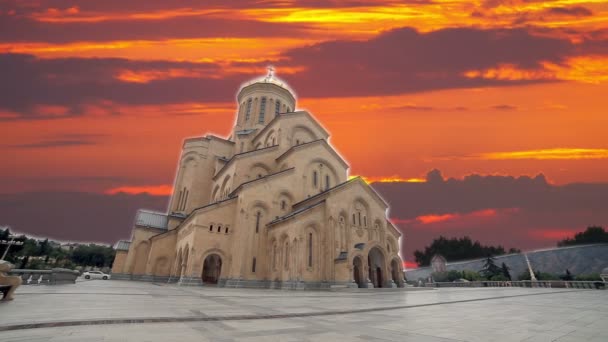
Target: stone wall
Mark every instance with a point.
(583, 259)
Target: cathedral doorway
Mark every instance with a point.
(375, 260)
(357, 271)
(212, 268)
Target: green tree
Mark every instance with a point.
(593, 234)
(505, 271)
(471, 275)
(456, 249)
(567, 276)
(490, 269)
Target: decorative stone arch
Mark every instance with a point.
(224, 187)
(258, 146)
(377, 264)
(284, 200)
(392, 246)
(185, 261)
(253, 209)
(396, 271)
(178, 262)
(358, 275)
(325, 171)
(142, 251)
(271, 138)
(359, 212)
(301, 134)
(215, 196)
(259, 170)
(214, 261)
(314, 250)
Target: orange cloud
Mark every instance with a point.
(389, 179)
(551, 234)
(588, 69)
(548, 154)
(437, 218)
(409, 264)
(154, 190)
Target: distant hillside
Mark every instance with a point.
(583, 259)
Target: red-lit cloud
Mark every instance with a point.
(154, 190)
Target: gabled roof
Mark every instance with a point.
(342, 185)
(295, 213)
(311, 143)
(289, 115)
(238, 188)
(239, 155)
(151, 219)
(122, 245)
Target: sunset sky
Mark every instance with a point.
(97, 96)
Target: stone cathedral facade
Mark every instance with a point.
(271, 206)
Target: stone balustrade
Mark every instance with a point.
(55, 276)
(574, 284)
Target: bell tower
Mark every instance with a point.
(260, 100)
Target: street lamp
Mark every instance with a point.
(8, 244)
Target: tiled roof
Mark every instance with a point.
(122, 245)
(151, 219)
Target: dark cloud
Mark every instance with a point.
(524, 208)
(396, 62)
(55, 143)
(504, 107)
(405, 60)
(574, 11)
(63, 140)
(23, 29)
(75, 82)
(75, 216)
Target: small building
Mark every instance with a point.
(438, 263)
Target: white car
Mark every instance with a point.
(96, 275)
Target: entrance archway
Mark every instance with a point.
(375, 260)
(212, 268)
(358, 271)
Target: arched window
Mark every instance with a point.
(248, 110)
(309, 249)
(273, 141)
(253, 265)
(354, 220)
(211, 228)
(277, 107)
(219, 228)
(226, 230)
(359, 218)
(257, 221)
(314, 179)
(262, 110)
(326, 182)
(283, 204)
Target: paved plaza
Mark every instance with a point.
(99, 310)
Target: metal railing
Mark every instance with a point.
(570, 284)
(45, 277)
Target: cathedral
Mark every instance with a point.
(271, 206)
